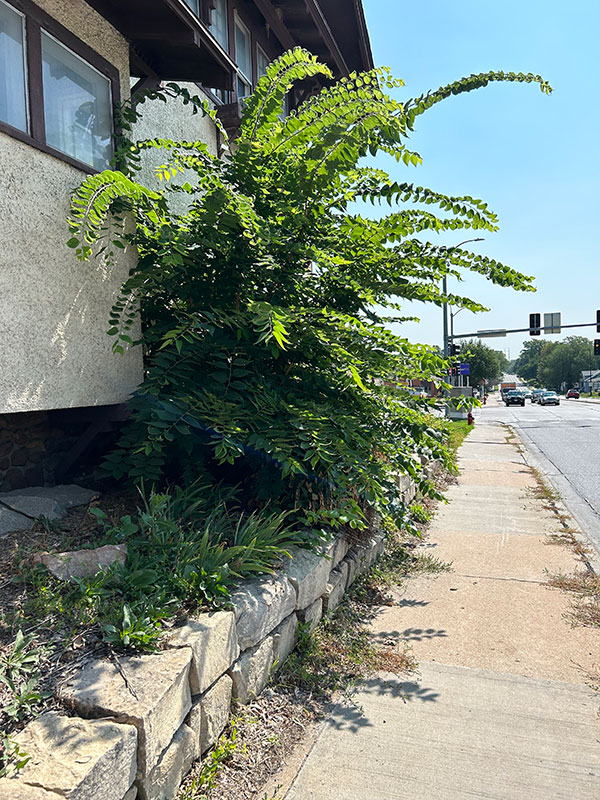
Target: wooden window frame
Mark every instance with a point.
(35, 21)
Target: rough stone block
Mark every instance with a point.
(162, 782)
(260, 605)
(82, 563)
(337, 550)
(308, 573)
(310, 616)
(353, 568)
(150, 692)
(214, 644)
(15, 789)
(78, 759)
(285, 637)
(250, 672)
(210, 712)
(131, 794)
(13, 521)
(336, 588)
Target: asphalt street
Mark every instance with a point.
(568, 437)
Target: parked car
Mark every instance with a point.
(514, 398)
(536, 394)
(549, 399)
(573, 393)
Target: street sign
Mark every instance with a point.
(552, 323)
(464, 369)
(491, 334)
(534, 324)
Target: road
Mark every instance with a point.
(568, 436)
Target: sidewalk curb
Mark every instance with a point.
(572, 504)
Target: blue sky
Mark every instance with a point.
(532, 158)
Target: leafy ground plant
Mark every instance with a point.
(266, 303)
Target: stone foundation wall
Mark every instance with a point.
(142, 722)
(31, 444)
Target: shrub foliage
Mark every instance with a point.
(266, 302)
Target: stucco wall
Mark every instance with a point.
(54, 351)
(172, 120)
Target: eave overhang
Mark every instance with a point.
(168, 41)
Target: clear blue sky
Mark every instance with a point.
(533, 158)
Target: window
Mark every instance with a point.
(262, 62)
(243, 58)
(13, 93)
(194, 5)
(77, 105)
(218, 24)
(55, 92)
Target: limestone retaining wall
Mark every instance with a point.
(141, 722)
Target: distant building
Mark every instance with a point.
(590, 380)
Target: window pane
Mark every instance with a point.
(243, 88)
(262, 62)
(77, 105)
(243, 53)
(193, 4)
(218, 23)
(13, 95)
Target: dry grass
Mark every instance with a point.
(585, 588)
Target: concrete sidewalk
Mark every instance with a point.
(500, 708)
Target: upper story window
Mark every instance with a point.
(218, 24)
(51, 95)
(243, 58)
(13, 96)
(194, 5)
(262, 62)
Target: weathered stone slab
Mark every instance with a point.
(285, 637)
(15, 789)
(150, 692)
(210, 713)
(12, 521)
(337, 550)
(310, 616)
(76, 759)
(250, 672)
(65, 496)
(335, 588)
(82, 563)
(214, 644)
(260, 605)
(162, 782)
(308, 573)
(131, 794)
(353, 568)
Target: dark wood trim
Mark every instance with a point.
(15, 133)
(323, 26)
(37, 124)
(267, 9)
(37, 20)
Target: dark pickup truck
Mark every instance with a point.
(514, 398)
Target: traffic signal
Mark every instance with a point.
(598, 321)
(535, 321)
(454, 349)
(597, 347)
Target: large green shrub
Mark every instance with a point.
(265, 305)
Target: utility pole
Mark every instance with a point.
(445, 292)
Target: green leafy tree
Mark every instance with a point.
(267, 361)
(484, 362)
(528, 362)
(562, 363)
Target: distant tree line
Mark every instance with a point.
(485, 364)
(556, 365)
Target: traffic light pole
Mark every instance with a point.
(490, 334)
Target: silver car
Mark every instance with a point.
(549, 399)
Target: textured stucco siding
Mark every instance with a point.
(54, 351)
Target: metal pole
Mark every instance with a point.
(445, 317)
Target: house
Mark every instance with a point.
(64, 65)
(590, 380)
